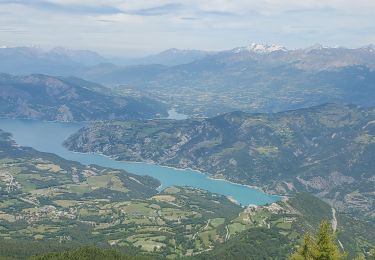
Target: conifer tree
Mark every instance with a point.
(327, 248)
(323, 247)
(307, 249)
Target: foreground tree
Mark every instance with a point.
(323, 247)
(307, 249)
(327, 248)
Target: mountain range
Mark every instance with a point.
(67, 62)
(256, 78)
(259, 115)
(58, 61)
(50, 98)
(317, 57)
(15, 60)
(170, 57)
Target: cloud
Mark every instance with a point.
(153, 25)
(159, 10)
(71, 9)
(161, 7)
(11, 30)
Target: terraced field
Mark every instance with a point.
(43, 200)
(46, 198)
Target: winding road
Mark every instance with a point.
(334, 226)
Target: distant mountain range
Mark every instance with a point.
(254, 78)
(170, 57)
(58, 61)
(327, 150)
(65, 62)
(71, 99)
(316, 57)
(254, 82)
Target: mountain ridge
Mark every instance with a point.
(50, 98)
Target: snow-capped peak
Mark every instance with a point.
(260, 48)
(369, 48)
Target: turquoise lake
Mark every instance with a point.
(49, 136)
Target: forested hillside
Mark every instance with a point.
(327, 150)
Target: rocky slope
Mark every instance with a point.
(50, 98)
(327, 150)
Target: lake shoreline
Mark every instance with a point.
(207, 175)
(50, 136)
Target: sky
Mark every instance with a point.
(141, 27)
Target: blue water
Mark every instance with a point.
(48, 137)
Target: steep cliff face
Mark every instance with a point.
(327, 149)
(49, 98)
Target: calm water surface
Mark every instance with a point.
(48, 137)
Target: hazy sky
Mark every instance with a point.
(144, 26)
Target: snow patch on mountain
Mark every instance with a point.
(260, 48)
(369, 48)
